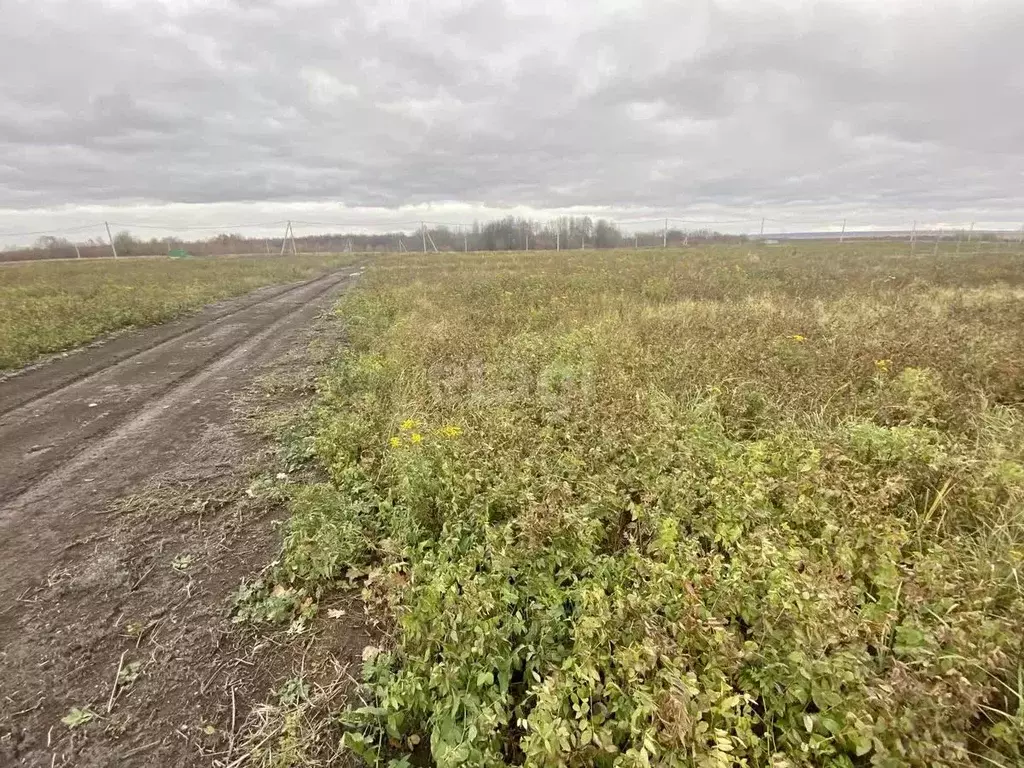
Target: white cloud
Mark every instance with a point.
(324, 88)
(898, 108)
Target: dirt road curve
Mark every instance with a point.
(80, 432)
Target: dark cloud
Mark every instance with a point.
(646, 106)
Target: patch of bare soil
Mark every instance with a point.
(127, 522)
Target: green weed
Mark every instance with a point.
(714, 507)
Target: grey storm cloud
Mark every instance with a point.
(628, 105)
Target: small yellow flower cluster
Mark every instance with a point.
(882, 365)
(798, 338)
(409, 426)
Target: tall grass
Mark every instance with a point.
(717, 507)
(53, 306)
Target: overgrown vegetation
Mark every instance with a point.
(705, 508)
(53, 306)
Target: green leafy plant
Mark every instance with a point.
(129, 673)
(77, 717)
(675, 509)
(182, 562)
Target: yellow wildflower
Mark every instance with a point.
(798, 338)
(450, 431)
(882, 365)
(409, 424)
(416, 437)
(396, 442)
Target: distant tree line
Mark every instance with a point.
(510, 233)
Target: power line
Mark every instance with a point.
(703, 223)
(178, 228)
(358, 223)
(52, 231)
(640, 221)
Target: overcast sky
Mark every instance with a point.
(207, 112)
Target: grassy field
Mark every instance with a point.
(53, 306)
(704, 508)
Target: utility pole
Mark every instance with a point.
(762, 226)
(527, 238)
(558, 238)
(664, 235)
(423, 232)
(636, 242)
(970, 232)
(465, 243)
(112, 247)
(913, 237)
(266, 244)
(284, 240)
(842, 235)
(938, 237)
(295, 253)
(583, 242)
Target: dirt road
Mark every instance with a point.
(81, 586)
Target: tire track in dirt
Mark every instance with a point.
(144, 522)
(50, 429)
(94, 438)
(39, 381)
